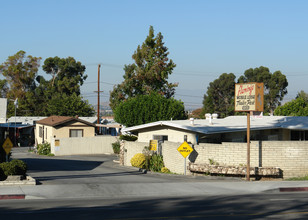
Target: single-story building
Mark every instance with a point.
(218, 130)
(62, 126)
(20, 134)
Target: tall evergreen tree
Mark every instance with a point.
(219, 97)
(149, 73)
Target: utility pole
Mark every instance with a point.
(98, 98)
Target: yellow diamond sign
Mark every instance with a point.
(7, 145)
(185, 149)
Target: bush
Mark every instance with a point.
(116, 147)
(156, 163)
(44, 149)
(7, 169)
(20, 167)
(138, 160)
(165, 170)
(14, 167)
(127, 137)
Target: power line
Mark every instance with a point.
(201, 72)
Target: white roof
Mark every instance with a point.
(25, 119)
(230, 124)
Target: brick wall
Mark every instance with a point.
(290, 156)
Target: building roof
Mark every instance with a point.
(25, 119)
(229, 124)
(58, 120)
(13, 125)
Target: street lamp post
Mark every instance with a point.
(16, 106)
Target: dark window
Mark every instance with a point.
(160, 137)
(299, 135)
(40, 131)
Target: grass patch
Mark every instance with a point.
(298, 178)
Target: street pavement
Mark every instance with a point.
(98, 176)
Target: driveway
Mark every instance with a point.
(94, 169)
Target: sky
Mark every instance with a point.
(205, 38)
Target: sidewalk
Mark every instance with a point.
(146, 190)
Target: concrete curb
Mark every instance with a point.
(293, 189)
(12, 196)
(28, 181)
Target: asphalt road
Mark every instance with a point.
(254, 206)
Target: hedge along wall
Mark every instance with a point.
(290, 156)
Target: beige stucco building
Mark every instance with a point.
(62, 127)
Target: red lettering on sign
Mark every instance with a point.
(244, 90)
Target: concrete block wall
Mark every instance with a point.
(173, 160)
(132, 148)
(290, 156)
(83, 145)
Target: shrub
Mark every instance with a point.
(7, 169)
(44, 149)
(20, 167)
(14, 167)
(138, 160)
(213, 162)
(156, 163)
(165, 170)
(128, 137)
(116, 147)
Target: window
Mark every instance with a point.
(40, 131)
(76, 132)
(297, 135)
(160, 137)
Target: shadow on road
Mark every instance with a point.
(87, 176)
(215, 207)
(47, 164)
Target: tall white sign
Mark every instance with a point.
(3, 109)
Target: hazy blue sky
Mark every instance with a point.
(205, 38)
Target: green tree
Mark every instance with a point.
(61, 94)
(296, 107)
(149, 108)
(69, 105)
(149, 73)
(275, 85)
(302, 94)
(219, 97)
(67, 74)
(20, 72)
(3, 88)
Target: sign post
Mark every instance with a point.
(248, 98)
(185, 149)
